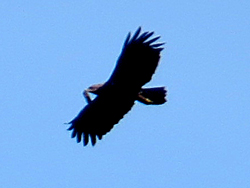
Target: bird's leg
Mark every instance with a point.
(143, 99)
(154, 96)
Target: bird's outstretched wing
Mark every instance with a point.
(135, 67)
(138, 60)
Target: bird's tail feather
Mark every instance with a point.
(153, 96)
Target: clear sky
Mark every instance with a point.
(52, 50)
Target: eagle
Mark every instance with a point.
(134, 68)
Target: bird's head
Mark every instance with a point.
(95, 89)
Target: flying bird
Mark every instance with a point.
(137, 63)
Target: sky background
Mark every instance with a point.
(52, 50)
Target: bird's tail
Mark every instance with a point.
(154, 96)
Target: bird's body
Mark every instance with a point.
(135, 67)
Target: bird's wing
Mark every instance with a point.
(135, 67)
(138, 60)
(98, 117)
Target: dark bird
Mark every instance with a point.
(134, 68)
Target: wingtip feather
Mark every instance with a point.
(93, 139)
(86, 139)
(127, 39)
(136, 34)
(157, 45)
(73, 133)
(79, 137)
(152, 40)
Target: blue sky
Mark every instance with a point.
(51, 51)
